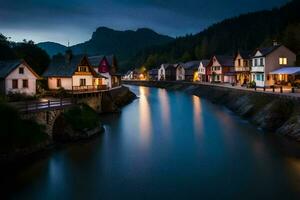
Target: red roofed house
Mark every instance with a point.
(221, 70)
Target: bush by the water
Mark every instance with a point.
(17, 133)
(82, 117)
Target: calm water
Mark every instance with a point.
(166, 145)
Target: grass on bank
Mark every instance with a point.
(17, 133)
(82, 117)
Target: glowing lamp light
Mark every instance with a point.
(142, 76)
(196, 76)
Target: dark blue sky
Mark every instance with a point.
(63, 20)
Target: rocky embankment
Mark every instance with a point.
(114, 100)
(271, 112)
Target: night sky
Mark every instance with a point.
(63, 20)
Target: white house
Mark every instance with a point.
(73, 73)
(267, 60)
(202, 71)
(180, 72)
(16, 76)
(162, 72)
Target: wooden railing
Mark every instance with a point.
(34, 106)
(89, 88)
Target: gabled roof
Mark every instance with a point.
(267, 50)
(225, 60)
(95, 60)
(244, 54)
(192, 65)
(6, 67)
(205, 62)
(60, 67)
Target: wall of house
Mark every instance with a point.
(107, 81)
(180, 73)
(66, 83)
(272, 61)
(28, 75)
(161, 73)
(76, 79)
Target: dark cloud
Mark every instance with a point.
(75, 20)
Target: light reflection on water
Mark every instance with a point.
(166, 145)
(145, 116)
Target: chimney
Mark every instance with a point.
(68, 56)
(275, 43)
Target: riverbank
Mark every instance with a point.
(271, 112)
(26, 137)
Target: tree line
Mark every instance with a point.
(36, 57)
(245, 32)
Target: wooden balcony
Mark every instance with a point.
(88, 88)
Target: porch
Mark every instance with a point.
(287, 77)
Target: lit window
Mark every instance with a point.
(282, 61)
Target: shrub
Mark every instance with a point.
(17, 133)
(82, 117)
(17, 96)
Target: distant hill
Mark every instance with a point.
(106, 41)
(245, 32)
(52, 48)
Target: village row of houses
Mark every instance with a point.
(265, 66)
(70, 72)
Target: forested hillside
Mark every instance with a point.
(247, 32)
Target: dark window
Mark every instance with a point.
(239, 62)
(82, 82)
(15, 83)
(21, 70)
(25, 83)
(58, 82)
(261, 62)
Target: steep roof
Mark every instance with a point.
(205, 62)
(192, 64)
(267, 50)
(6, 67)
(60, 67)
(225, 60)
(95, 60)
(244, 54)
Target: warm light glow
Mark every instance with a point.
(198, 120)
(165, 108)
(282, 61)
(142, 77)
(196, 76)
(145, 115)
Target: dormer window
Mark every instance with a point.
(82, 69)
(21, 70)
(283, 61)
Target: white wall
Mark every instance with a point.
(88, 79)
(66, 83)
(31, 90)
(162, 73)
(180, 73)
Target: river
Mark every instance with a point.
(166, 145)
